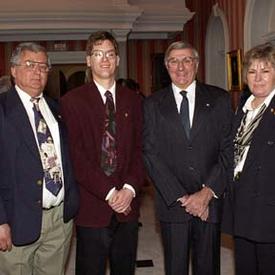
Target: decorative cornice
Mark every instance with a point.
(68, 22)
(119, 17)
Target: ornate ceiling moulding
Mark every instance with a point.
(75, 20)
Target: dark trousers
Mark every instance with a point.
(200, 238)
(117, 242)
(254, 258)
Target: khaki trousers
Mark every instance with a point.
(46, 256)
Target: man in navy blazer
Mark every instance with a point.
(35, 224)
(187, 160)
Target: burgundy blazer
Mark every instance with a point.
(83, 111)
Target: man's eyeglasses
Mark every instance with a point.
(187, 61)
(33, 65)
(98, 54)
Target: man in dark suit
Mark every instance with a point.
(187, 148)
(38, 194)
(105, 130)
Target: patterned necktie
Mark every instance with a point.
(52, 170)
(108, 148)
(184, 113)
(245, 133)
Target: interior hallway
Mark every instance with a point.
(149, 246)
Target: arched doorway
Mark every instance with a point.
(259, 23)
(216, 48)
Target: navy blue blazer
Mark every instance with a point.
(250, 201)
(21, 171)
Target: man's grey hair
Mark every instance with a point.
(27, 46)
(179, 45)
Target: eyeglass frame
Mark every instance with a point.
(104, 54)
(187, 60)
(33, 65)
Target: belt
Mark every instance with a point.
(51, 207)
(47, 209)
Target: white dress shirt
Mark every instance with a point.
(49, 199)
(102, 92)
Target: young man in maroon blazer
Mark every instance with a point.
(105, 125)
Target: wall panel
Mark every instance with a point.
(140, 52)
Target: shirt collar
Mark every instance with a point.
(190, 90)
(248, 104)
(102, 90)
(24, 96)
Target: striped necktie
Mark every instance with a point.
(245, 134)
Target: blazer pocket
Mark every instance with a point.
(271, 203)
(268, 200)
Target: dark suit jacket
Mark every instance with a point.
(84, 113)
(179, 166)
(21, 172)
(251, 202)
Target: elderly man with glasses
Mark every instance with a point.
(38, 194)
(187, 150)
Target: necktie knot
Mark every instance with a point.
(35, 101)
(183, 93)
(108, 95)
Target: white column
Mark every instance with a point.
(121, 37)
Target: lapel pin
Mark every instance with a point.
(59, 116)
(272, 111)
(207, 105)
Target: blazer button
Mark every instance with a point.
(270, 142)
(39, 182)
(38, 202)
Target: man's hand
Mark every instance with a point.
(197, 203)
(205, 214)
(120, 201)
(183, 199)
(127, 211)
(5, 237)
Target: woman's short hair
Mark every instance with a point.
(263, 52)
